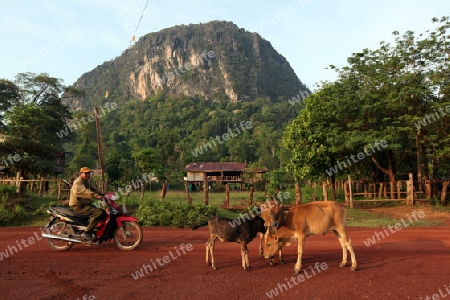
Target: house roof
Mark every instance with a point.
(215, 166)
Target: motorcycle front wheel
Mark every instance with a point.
(61, 229)
(128, 236)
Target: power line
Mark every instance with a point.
(133, 39)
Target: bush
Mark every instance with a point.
(21, 209)
(11, 210)
(169, 214)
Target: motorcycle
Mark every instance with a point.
(65, 227)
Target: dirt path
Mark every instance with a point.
(409, 263)
(403, 211)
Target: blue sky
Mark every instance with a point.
(68, 38)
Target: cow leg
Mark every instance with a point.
(244, 254)
(261, 236)
(280, 255)
(346, 244)
(300, 244)
(211, 249)
(344, 250)
(208, 244)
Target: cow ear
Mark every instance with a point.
(276, 238)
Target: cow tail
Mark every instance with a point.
(200, 225)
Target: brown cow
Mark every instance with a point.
(273, 218)
(304, 220)
(228, 231)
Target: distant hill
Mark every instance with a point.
(217, 61)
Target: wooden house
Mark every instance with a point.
(221, 173)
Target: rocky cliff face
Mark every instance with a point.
(216, 60)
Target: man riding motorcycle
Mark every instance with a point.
(81, 193)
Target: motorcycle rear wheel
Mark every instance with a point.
(62, 229)
(128, 236)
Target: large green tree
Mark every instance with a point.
(34, 114)
(380, 96)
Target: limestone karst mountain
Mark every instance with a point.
(217, 60)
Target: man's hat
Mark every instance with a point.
(85, 170)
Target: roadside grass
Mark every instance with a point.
(363, 218)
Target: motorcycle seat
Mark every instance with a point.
(70, 213)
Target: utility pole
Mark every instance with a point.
(99, 143)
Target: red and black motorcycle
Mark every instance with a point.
(65, 227)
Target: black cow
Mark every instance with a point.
(228, 231)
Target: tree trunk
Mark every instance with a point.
(419, 164)
(298, 194)
(391, 175)
(435, 178)
(205, 190)
(163, 191)
(250, 197)
(333, 187)
(390, 171)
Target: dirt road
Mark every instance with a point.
(409, 263)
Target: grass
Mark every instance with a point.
(360, 217)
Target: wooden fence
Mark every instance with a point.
(355, 191)
(42, 185)
(407, 191)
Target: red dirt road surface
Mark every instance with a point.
(410, 263)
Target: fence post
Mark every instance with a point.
(325, 191)
(227, 194)
(444, 191)
(314, 191)
(59, 189)
(18, 183)
(142, 191)
(250, 197)
(410, 190)
(428, 189)
(346, 193)
(350, 191)
(41, 187)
